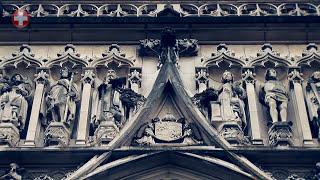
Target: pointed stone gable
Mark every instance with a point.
(168, 83)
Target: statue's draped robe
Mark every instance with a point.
(57, 99)
(231, 104)
(14, 105)
(106, 99)
(274, 89)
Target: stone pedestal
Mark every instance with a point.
(9, 135)
(105, 133)
(57, 134)
(232, 132)
(280, 134)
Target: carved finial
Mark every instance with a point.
(202, 79)
(25, 49)
(249, 76)
(41, 77)
(113, 49)
(88, 76)
(267, 49)
(310, 49)
(70, 48)
(295, 76)
(222, 48)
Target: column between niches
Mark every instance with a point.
(32, 139)
(83, 122)
(299, 105)
(248, 76)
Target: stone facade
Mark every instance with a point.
(168, 105)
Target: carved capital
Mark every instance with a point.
(295, 76)
(135, 76)
(41, 77)
(88, 76)
(202, 78)
(248, 75)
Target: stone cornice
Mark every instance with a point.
(153, 9)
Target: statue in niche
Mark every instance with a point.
(313, 101)
(231, 97)
(61, 109)
(275, 96)
(107, 104)
(13, 101)
(61, 99)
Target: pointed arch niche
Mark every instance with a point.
(25, 63)
(112, 58)
(268, 58)
(221, 60)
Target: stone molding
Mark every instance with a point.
(155, 10)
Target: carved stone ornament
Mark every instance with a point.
(9, 135)
(168, 130)
(153, 47)
(294, 177)
(202, 79)
(14, 173)
(280, 134)
(105, 132)
(136, 9)
(44, 177)
(232, 132)
(57, 134)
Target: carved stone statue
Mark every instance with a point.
(112, 106)
(13, 108)
(275, 95)
(107, 104)
(62, 97)
(317, 172)
(230, 97)
(13, 173)
(61, 108)
(313, 101)
(13, 102)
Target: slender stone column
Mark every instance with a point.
(135, 78)
(202, 80)
(83, 123)
(248, 77)
(34, 123)
(299, 105)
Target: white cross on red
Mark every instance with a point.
(20, 18)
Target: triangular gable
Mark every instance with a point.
(169, 76)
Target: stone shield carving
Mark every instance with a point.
(168, 131)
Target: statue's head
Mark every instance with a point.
(16, 79)
(14, 166)
(111, 74)
(271, 74)
(65, 73)
(227, 76)
(316, 76)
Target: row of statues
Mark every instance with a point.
(111, 102)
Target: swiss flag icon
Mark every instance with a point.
(20, 18)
